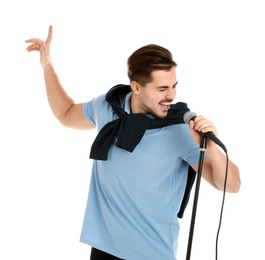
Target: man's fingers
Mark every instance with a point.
(49, 38)
(33, 47)
(35, 40)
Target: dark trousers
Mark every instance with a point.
(100, 255)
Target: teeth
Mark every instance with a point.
(165, 104)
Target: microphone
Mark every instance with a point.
(191, 116)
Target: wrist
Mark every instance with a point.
(48, 68)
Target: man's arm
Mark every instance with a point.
(214, 166)
(62, 106)
(214, 170)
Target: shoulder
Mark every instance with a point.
(98, 110)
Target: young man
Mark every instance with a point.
(143, 155)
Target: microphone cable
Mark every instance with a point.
(222, 208)
(190, 116)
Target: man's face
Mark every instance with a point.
(155, 97)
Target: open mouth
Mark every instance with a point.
(165, 105)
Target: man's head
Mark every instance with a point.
(152, 74)
(147, 59)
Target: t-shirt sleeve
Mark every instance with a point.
(191, 152)
(89, 108)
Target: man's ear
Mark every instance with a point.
(135, 87)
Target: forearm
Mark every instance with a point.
(58, 99)
(218, 162)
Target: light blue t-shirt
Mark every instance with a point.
(134, 198)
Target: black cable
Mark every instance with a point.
(222, 208)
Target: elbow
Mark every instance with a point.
(234, 186)
(237, 186)
(237, 180)
(234, 182)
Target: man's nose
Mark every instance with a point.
(171, 93)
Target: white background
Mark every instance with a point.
(45, 168)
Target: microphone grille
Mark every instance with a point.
(189, 116)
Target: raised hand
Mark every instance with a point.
(43, 47)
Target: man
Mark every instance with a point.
(142, 156)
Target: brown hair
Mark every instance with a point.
(147, 59)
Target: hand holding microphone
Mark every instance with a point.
(188, 116)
